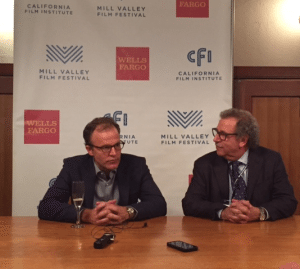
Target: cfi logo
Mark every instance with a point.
(185, 119)
(201, 54)
(64, 54)
(118, 116)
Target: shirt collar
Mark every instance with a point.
(244, 158)
(111, 173)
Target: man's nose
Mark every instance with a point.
(217, 138)
(113, 151)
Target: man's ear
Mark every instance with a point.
(243, 141)
(89, 150)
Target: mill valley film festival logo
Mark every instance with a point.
(185, 119)
(132, 63)
(122, 119)
(121, 11)
(64, 56)
(192, 8)
(201, 59)
(179, 119)
(41, 127)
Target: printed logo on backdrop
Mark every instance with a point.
(185, 120)
(199, 56)
(121, 11)
(48, 9)
(61, 57)
(132, 63)
(122, 119)
(199, 60)
(192, 8)
(64, 54)
(41, 127)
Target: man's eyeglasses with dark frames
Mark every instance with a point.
(107, 149)
(222, 135)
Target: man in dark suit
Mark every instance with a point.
(240, 181)
(118, 187)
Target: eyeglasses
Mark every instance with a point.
(107, 149)
(222, 135)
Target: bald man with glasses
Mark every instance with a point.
(239, 182)
(118, 187)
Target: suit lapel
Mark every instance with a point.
(254, 173)
(221, 175)
(123, 182)
(89, 177)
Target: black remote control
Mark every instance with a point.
(105, 240)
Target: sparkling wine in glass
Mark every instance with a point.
(78, 196)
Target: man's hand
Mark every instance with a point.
(116, 214)
(105, 213)
(240, 211)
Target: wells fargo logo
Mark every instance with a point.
(192, 8)
(132, 63)
(41, 127)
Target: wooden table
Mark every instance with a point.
(27, 242)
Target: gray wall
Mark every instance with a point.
(266, 33)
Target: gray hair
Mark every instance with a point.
(246, 125)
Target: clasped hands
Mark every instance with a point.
(240, 211)
(105, 213)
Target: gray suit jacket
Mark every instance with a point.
(268, 185)
(136, 188)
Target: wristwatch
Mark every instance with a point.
(131, 212)
(263, 214)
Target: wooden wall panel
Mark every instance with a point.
(6, 106)
(6, 155)
(279, 121)
(276, 105)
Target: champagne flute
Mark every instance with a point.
(78, 196)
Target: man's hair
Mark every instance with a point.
(99, 124)
(246, 125)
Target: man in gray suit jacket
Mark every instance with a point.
(258, 189)
(118, 187)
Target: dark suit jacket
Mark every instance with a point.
(133, 178)
(268, 185)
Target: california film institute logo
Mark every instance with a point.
(200, 56)
(192, 8)
(41, 127)
(202, 59)
(122, 119)
(48, 9)
(185, 119)
(118, 117)
(64, 54)
(132, 63)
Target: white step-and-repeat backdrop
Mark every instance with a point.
(162, 69)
